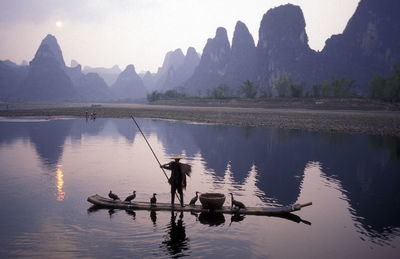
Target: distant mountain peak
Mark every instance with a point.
(51, 42)
(129, 69)
(129, 85)
(283, 27)
(221, 32)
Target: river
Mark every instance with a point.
(49, 166)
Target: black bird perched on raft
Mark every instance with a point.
(153, 200)
(193, 201)
(236, 203)
(113, 196)
(131, 197)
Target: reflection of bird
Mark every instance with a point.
(236, 218)
(153, 216)
(153, 199)
(236, 203)
(195, 214)
(113, 196)
(132, 213)
(193, 201)
(131, 197)
(111, 212)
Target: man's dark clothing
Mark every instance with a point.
(177, 180)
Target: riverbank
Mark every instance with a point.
(368, 119)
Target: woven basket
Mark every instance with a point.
(212, 200)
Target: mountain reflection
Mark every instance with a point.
(265, 163)
(48, 139)
(366, 166)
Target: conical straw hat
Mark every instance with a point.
(176, 157)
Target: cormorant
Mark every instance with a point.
(131, 197)
(153, 199)
(113, 196)
(193, 201)
(236, 203)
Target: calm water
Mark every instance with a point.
(48, 167)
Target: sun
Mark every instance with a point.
(59, 24)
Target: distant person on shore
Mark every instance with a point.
(178, 177)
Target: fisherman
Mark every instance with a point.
(178, 177)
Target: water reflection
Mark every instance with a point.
(176, 242)
(261, 166)
(212, 219)
(153, 217)
(236, 218)
(132, 213)
(111, 212)
(60, 195)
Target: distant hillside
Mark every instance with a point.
(370, 44)
(109, 75)
(281, 62)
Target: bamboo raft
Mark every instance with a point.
(103, 202)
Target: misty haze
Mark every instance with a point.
(173, 128)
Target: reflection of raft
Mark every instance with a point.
(111, 204)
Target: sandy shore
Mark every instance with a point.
(376, 122)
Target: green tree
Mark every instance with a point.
(377, 87)
(386, 89)
(249, 89)
(219, 92)
(286, 87)
(296, 90)
(326, 89)
(153, 96)
(392, 89)
(281, 85)
(265, 92)
(341, 87)
(317, 90)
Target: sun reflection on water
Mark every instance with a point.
(60, 195)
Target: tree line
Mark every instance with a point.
(381, 88)
(386, 88)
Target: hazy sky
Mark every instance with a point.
(140, 32)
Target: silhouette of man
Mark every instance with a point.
(178, 177)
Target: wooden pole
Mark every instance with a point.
(154, 154)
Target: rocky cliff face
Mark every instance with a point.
(370, 43)
(177, 75)
(212, 66)
(241, 66)
(167, 73)
(283, 48)
(46, 79)
(149, 81)
(91, 87)
(176, 69)
(128, 85)
(192, 60)
(11, 76)
(52, 43)
(50, 80)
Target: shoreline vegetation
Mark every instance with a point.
(327, 115)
